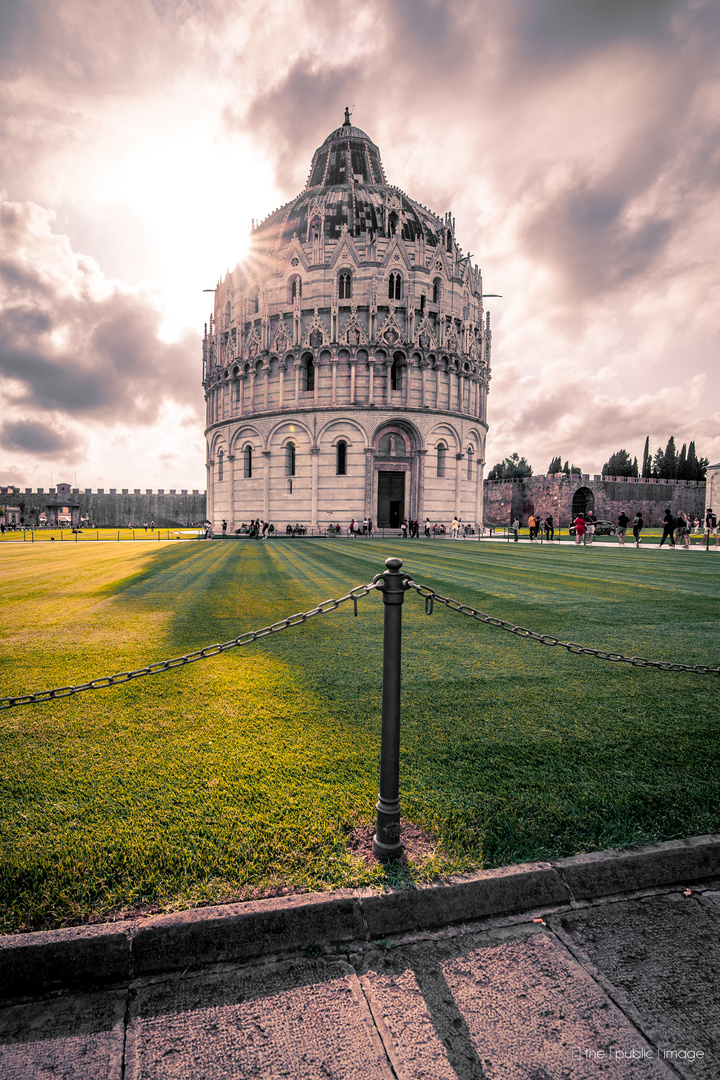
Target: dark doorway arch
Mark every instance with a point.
(583, 502)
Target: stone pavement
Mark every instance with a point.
(590, 982)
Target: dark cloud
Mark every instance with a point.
(71, 343)
(585, 234)
(550, 28)
(41, 439)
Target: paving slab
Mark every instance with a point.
(68, 1037)
(505, 1005)
(302, 1019)
(659, 958)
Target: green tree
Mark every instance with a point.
(571, 470)
(682, 464)
(647, 459)
(555, 466)
(620, 464)
(512, 468)
(696, 467)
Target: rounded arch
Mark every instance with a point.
(245, 434)
(583, 501)
(401, 427)
(445, 432)
(218, 443)
(346, 428)
(289, 428)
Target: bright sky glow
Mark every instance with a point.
(576, 145)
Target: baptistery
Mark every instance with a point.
(347, 359)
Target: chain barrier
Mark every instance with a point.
(547, 639)
(430, 596)
(326, 606)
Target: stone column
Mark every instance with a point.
(388, 382)
(316, 383)
(479, 509)
(266, 372)
(314, 459)
(423, 384)
(458, 482)
(253, 377)
(370, 483)
(371, 365)
(333, 367)
(352, 364)
(210, 510)
(231, 513)
(266, 485)
(241, 398)
(281, 390)
(296, 365)
(420, 510)
(408, 372)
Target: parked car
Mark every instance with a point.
(602, 528)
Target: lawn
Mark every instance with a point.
(245, 775)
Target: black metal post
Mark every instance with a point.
(387, 842)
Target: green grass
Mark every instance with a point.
(88, 535)
(244, 775)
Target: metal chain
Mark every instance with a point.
(200, 654)
(547, 639)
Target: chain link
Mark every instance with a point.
(190, 658)
(432, 597)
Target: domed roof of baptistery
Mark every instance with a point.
(347, 186)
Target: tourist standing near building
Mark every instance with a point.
(549, 527)
(579, 524)
(623, 522)
(711, 526)
(514, 528)
(590, 520)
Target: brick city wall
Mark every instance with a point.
(553, 494)
(111, 508)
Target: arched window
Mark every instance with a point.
(295, 288)
(341, 459)
(441, 452)
(393, 223)
(345, 285)
(470, 462)
(436, 290)
(315, 227)
(395, 286)
(247, 461)
(308, 372)
(221, 460)
(449, 242)
(254, 300)
(290, 459)
(396, 372)
(423, 301)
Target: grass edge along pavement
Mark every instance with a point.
(321, 923)
(503, 767)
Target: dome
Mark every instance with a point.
(347, 186)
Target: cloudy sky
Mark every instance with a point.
(575, 142)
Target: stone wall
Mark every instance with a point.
(553, 494)
(167, 509)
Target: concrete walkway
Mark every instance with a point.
(603, 965)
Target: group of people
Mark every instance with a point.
(358, 529)
(537, 525)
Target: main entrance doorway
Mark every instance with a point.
(391, 499)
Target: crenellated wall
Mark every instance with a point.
(554, 494)
(166, 509)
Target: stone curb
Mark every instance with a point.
(116, 952)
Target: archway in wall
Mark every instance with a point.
(583, 502)
(395, 474)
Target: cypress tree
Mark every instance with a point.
(647, 460)
(670, 463)
(682, 464)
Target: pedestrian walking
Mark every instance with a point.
(514, 529)
(621, 531)
(682, 530)
(590, 520)
(549, 527)
(427, 527)
(532, 527)
(668, 528)
(454, 529)
(224, 527)
(711, 526)
(637, 528)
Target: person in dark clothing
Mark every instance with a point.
(623, 522)
(668, 528)
(637, 528)
(549, 527)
